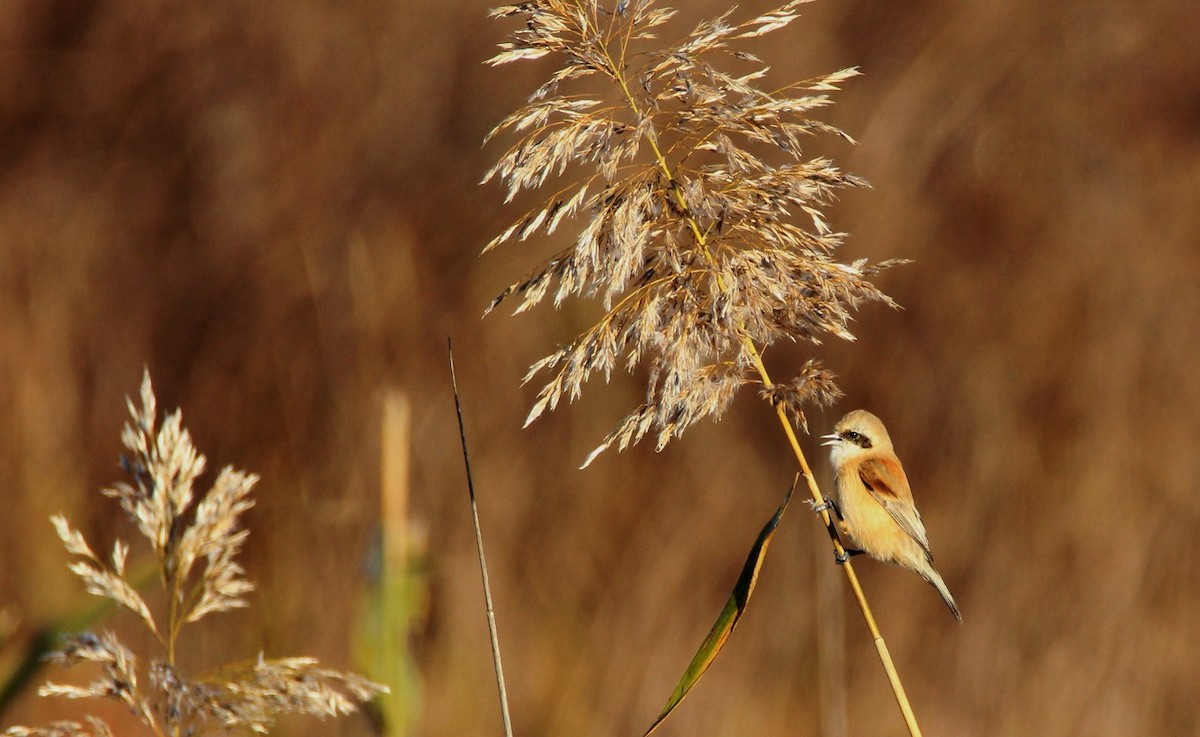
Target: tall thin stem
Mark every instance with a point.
(487, 587)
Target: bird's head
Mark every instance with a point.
(857, 433)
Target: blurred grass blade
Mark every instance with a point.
(395, 600)
(729, 616)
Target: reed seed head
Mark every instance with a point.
(195, 540)
(700, 217)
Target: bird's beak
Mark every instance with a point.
(831, 439)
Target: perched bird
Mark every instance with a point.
(873, 501)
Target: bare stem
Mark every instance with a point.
(487, 588)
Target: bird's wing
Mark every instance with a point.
(885, 479)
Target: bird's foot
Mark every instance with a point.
(845, 555)
(826, 505)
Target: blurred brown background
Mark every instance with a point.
(274, 207)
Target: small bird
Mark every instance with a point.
(874, 503)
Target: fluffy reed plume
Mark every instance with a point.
(195, 540)
(702, 230)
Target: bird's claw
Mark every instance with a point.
(826, 505)
(845, 555)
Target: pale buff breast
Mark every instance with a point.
(871, 527)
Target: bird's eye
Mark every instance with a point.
(851, 435)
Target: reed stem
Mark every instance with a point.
(493, 636)
(881, 647)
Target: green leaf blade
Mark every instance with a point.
(739, 598)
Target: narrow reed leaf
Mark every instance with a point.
(730, 615)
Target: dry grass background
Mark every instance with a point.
(273, 206)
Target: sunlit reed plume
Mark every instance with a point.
(195, 541)
(701, 227)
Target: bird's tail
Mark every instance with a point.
(932, 577)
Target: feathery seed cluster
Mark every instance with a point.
(701, 231)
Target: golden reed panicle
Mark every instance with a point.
(194, 538)
(701, 231)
